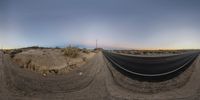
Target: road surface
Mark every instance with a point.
(95, 83)
(151, 67)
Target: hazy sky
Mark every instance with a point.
(136, 24)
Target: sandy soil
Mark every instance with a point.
(50, 60)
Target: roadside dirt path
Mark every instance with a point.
(93, 81)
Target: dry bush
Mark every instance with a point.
(71, 52)
(14, 52)
(84, 50)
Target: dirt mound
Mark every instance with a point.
(49, 60)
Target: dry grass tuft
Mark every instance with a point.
(84, 50)
(72, 52)
(14, 52)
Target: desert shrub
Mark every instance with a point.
(57, 47)
(84, 50)
(129, 52)
(71, 52)
(62, 50)
(34, 47)
(14, 52)
(174, 52)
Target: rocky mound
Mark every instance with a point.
(49, 60)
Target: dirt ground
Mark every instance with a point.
(50, 60)
(96, 82)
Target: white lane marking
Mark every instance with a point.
(150, 74)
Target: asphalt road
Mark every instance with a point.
(151, 66)
(95, 83)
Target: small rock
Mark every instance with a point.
(44, 74)
(80, 73)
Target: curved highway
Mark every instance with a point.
(151, 66)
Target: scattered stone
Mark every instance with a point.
(44, 74)
(55, 71)
(80, 73)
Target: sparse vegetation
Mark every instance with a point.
(72, 52)
(150, 52)
(14, 52)
(57, 47)
(84, 50)
(52, 60)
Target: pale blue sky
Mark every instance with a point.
(136, 24)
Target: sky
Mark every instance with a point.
(116, 24)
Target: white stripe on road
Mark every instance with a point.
(166, 73)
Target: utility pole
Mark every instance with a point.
(96, 43)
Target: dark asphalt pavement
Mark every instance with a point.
(151, 66)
